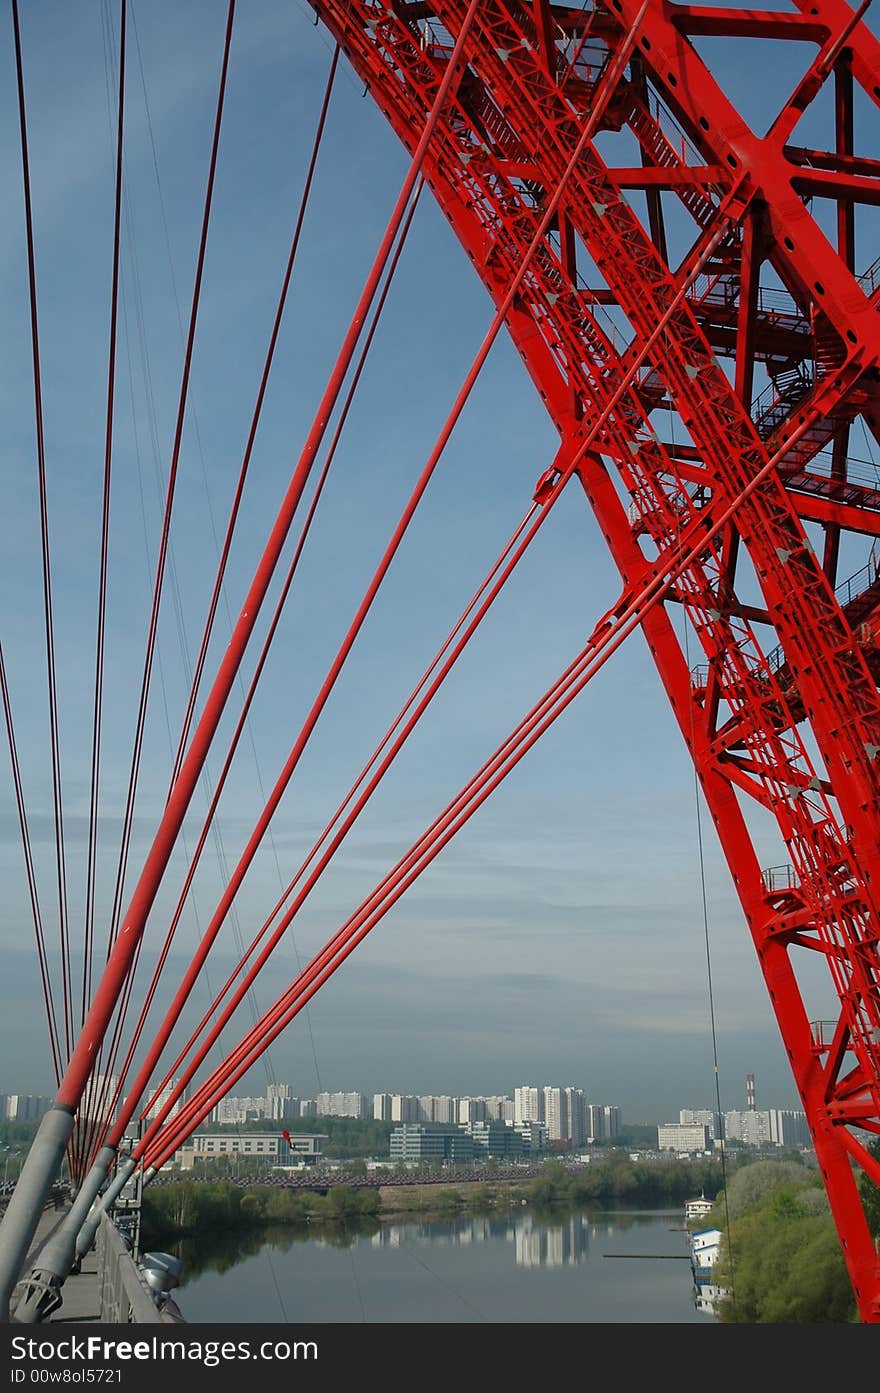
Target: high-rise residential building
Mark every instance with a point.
(528, 1104)
(162, 1098)
(576, 1107)
(25, 1107)
(445, 1109)
(497, 1105)
(613, 1120)
(789, 1128)
(702, 1117)
(751, 1127)
(767, 1127)
(382, 1107)
(472, 1110)
(595, 1122)
(404, 1107)
(342, 1105)
(235, 1111)
(556, 1113)
(97, 1096)
(307, 1107)
(281, 1102)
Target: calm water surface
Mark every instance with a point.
(523, 1266)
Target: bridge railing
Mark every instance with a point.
(124, 1296)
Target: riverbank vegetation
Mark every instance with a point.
(780, 1258)
(620, 1179)
(208, 1207)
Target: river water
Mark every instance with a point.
(525, 1266)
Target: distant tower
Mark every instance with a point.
(750, 1092)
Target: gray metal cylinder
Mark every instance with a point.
(38, 1174)
(102, 1205)
(41, 1292)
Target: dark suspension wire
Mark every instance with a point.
(273, 626)
(172, 479)
(105, 540)
(166, 522)
(214, 798)
(255, 420)
(60, 859)
(45, 977)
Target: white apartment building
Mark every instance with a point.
(683, 1137)
(381, 1107)
(24, 1107)
(472, 1110)
(556, 1113)
(789, 1128)
(98, 1095)
(595, 1122)
(768, 1127)
(528, 1104)
(162, 1099)
(268, 1147)
(445, 1109)
(700, 1117)
(234, 1110)
(342, 1105)
(613, 1120)
(404, 1107)
(280, 1102)
(576, 1106)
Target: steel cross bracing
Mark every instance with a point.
(753, 712)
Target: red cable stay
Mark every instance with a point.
(283, 780)
(108, 1108)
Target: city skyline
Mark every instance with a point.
(670, 1115)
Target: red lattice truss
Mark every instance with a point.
(783, 709)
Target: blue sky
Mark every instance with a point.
(560, 938)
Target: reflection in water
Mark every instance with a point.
(538, 1241)
(541, 1237)
(519, 1265)
(219, 1252)
(707, 1297)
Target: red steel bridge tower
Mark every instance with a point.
(782, 708)
(695, 306)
